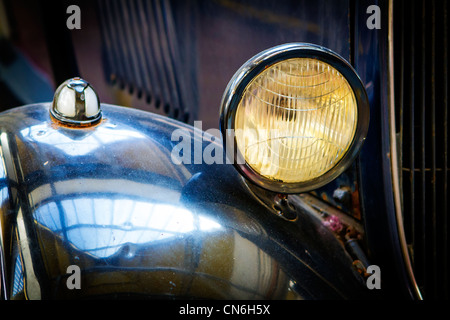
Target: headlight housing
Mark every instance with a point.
(294, 117)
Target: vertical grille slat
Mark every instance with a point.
(433, 146)
(412, 126)
(421, 130)
(421, 89)
(445, 101)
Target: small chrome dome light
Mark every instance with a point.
(76, 103)
(294, 117)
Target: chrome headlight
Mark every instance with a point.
(294, 117)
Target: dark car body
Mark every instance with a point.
(215, 235)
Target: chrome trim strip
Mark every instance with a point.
(32, 286)
(393, 157)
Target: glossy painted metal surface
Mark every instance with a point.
(109, 199)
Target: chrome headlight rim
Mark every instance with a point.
(251, 69)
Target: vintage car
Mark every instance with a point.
(223, 150)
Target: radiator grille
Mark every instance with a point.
(421, 94)
(149, 50)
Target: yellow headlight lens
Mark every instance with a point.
(296, 120)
